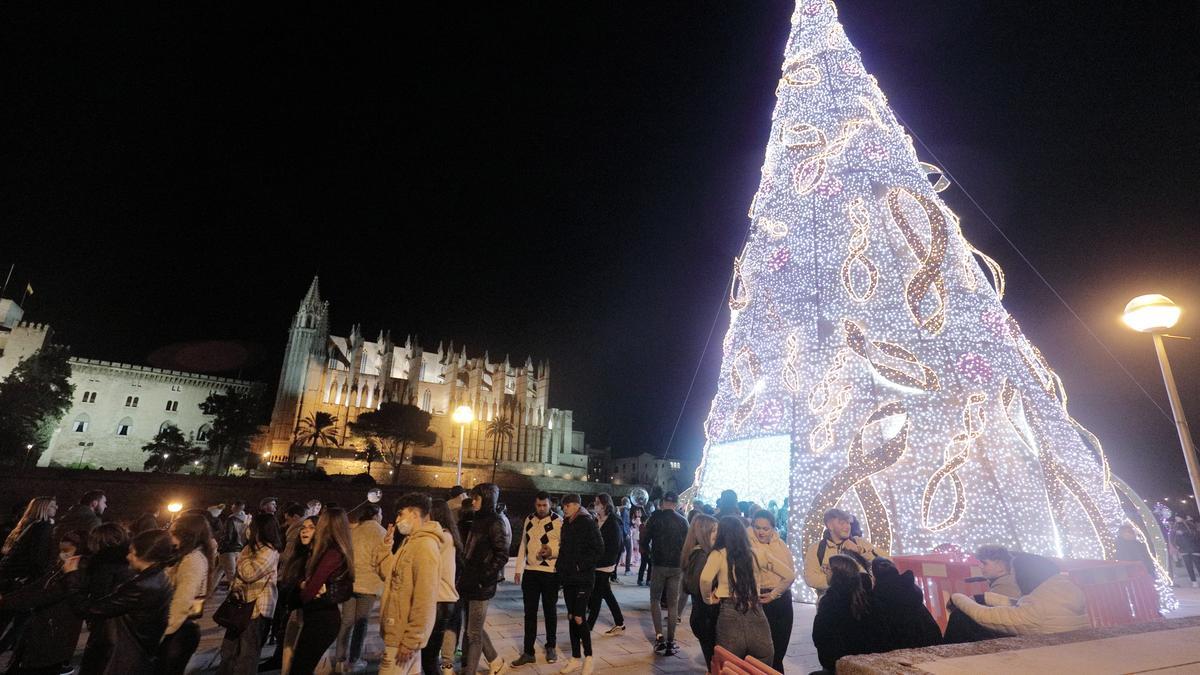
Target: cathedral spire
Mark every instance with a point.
(312, 298)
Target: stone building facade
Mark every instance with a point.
(117, 407)
(348, 375)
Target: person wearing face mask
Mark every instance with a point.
(53, 628)
(775, 572)
(409, 606)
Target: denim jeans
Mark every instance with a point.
(602, 593)
(668, 577)
(475, 638)
(355, 613)
(239, 656)
(744, 633)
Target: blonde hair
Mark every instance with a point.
(37, 511)
(699, 534)
(333, 531)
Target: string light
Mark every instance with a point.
(869, 358)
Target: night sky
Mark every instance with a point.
(570, 181)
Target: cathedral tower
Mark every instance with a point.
(302, 363)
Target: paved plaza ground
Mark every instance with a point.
(623, 654)
(630, 652)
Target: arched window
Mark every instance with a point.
(427, 401)
(203, 432)
(163, 427)
(124, 426)
(81, 423)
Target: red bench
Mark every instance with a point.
(1118, 593)
(725, 663)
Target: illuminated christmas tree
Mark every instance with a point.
(869, 362)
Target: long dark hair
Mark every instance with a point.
(293, 571)
(845, 577)
(263, 531)
(194, 534)
(732, 538)
(333, 531)
(440, 513)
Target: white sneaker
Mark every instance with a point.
(572, 666)
(587, 665)
(1196, 584)
(498, 667)
(615, 630)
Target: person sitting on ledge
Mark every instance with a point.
(1049, 602)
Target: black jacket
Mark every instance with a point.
(662, 538)
(903, 610)
(836, 633)
(53, 628)
(487, 554)
(81, 518)
(135, 614)
(580, 549)
(610, 534)
(32, 556)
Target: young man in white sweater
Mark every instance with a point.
(535, 571)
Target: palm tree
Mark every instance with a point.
(498, 430)
(319, 428)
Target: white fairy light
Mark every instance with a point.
(868, 351)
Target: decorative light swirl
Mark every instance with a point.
(928, 276)
(925, 379)
(1055, 474)
(957, 453)
(856, 475)
(860, 239)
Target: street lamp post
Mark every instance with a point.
(1156, 314)
(462, 417)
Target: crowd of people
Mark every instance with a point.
(307, 578)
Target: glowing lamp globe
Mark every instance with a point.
(1152, 313)
(174, 507)
(463, 415)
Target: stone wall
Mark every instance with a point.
(131, 493)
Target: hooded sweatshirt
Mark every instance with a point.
(410, 593)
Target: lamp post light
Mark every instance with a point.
(28, 451)
(1156, 314)
(462, 416)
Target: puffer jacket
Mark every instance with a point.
(579, 551)
(365, 537)
(409, 602)
(487, 554)
(135, 614)
(1057, 605)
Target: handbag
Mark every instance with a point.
(338, 589)
(234, 614)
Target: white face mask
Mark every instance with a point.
(64, 556)
(404, 527)
(374, 497)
